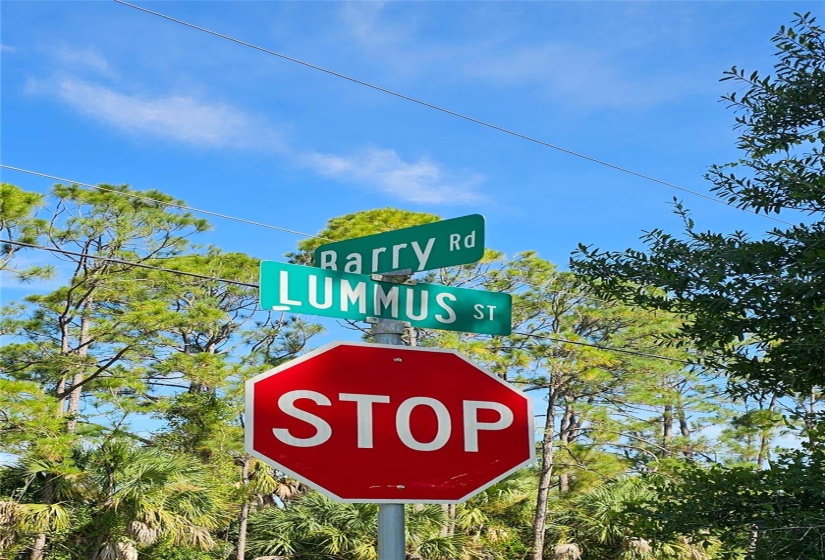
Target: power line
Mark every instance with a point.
(173, 204)
(602, 347)
(242, 220)
(446, 111)
(130, 263)
(247, 285)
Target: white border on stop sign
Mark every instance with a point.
(249, 427)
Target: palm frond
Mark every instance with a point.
(41, 518)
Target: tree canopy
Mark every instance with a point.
(121, 389)
(753, 306)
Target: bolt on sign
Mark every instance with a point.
(388, 424)
(330, 293)
(425, 247)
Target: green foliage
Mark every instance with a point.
(359, 224)
(316, 527)
(117, 344)
(115, 493)
(497, 520)
(176, 552)
(600, 524)
(754, 306)
(782, 122)
(150, 496)
(605, 411)
(755, 310)
(92, 360)
(196, 422)
(772, 513)
(17, 223)
(28, 415)
(315, 524)
(75, 342)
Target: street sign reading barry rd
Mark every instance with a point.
(390, 424)
(425, 247)
(330, 293)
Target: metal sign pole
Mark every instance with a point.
(391, 532)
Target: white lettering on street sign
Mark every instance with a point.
(329, 293)
(425, 247)
(403, 427)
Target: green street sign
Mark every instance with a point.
(425, 247)
(330, 293)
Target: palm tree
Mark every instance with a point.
(18, 520)
(314, 526)
(427, 540)
(261, 487)
(594, 524)
(39, 489)
(141, 496)
(493, 519)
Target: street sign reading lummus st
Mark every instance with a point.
(330, 293)
(425, 247)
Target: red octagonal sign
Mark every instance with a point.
(377, 423)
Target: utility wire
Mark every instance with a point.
(130, 263)
(173, 204)
(140, 197)
(447, 111)
(611, 348)
(245, 284)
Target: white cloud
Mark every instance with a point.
(361, 19)
(385, 37)
(422, 181)
(7, 48)
(561, 71)
(83, 59)
(213, 125)
(180, 118)
(575, 76)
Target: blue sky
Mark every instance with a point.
(98, 92)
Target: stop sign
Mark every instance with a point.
(378, 423)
